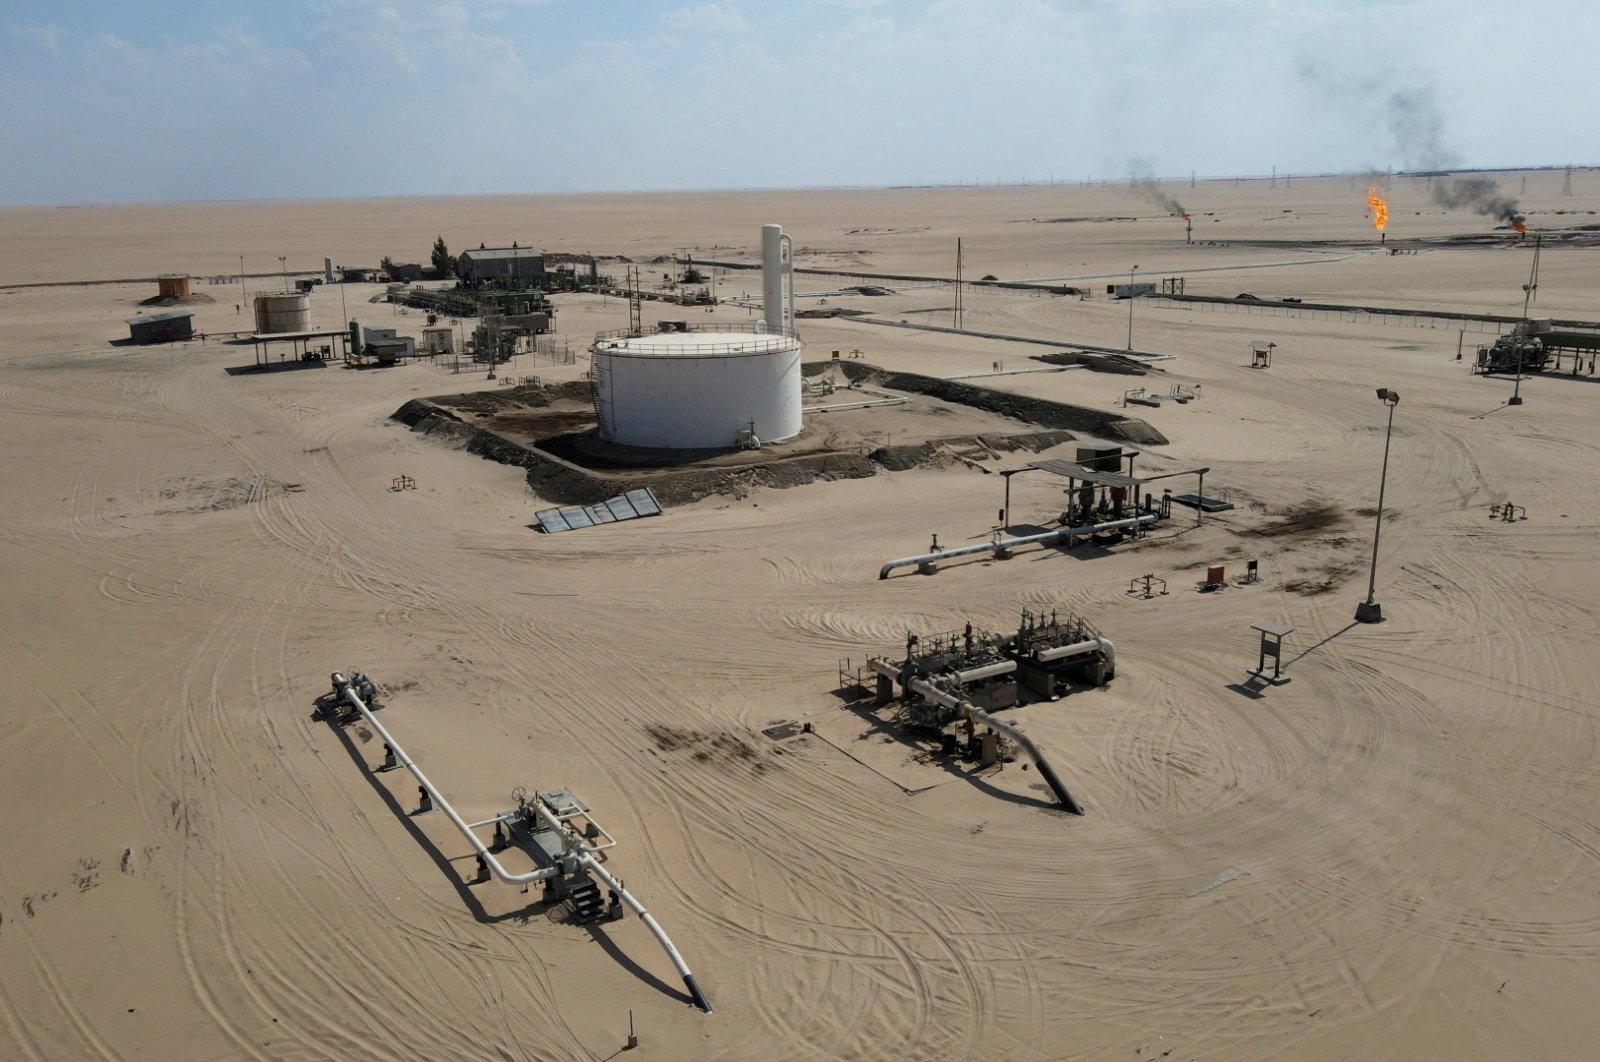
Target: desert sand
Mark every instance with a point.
(1396, 855)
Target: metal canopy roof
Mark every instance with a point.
(301, 335)
(489, 254)
(167, 315)
(1277, 630)
(1073, 470)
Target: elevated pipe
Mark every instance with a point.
(586, 860)
(978, 674)
(593, 866)
(342, 684)
(978, 715)
(1061, 652)
(1043, 538)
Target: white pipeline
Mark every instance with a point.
(594, 867)
(978, 674)
(1061, 652)
(342, 684)
(586, 860)
(976, 714)
(1044, 538)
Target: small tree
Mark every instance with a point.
(444, 263)
(387, 265)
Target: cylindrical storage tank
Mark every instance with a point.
(284, 311)
(175, 285)
(697, 390)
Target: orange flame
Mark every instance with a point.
(1184, 217)
(1517, 223)
(1380, 209)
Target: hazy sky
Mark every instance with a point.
(224, 99)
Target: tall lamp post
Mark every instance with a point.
(1369, 611)
(1131, 272)
(1528, 291)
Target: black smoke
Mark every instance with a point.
(1144, 184)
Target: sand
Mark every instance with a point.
(1397, 855)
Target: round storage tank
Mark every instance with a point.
(691, 390)
(174, 285)
(285, 311)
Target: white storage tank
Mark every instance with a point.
(283, 311)
(690, 389)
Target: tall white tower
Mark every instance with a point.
(777, 259)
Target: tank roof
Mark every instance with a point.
(695, 344)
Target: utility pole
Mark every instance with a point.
(1369, 610)
(1528, 291)
(957, 319)
(1131, 297)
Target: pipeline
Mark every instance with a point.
(342, 684)
(586, 860)
(1061, 652)
(594, 867)
(1044, 538)
(978, 674)
(978, 715)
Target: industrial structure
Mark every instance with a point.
(950, 683)
(282, 311)
(553, 829)
(1534, 345)
(1103, 502)
(161, 327)
(381, 344)
(175, 285)
(490, 265)
(709, 386)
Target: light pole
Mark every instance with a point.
(1369, 611)
(1131, 272)
(1528, 291)
(242, 298)
(284, 270)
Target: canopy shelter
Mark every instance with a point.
(301, 346)
(1096, 493)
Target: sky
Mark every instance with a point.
(181, 100)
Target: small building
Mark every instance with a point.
(175, 285)
(405, 272)
(1130, 291)
(439, 339)
(383, 344)
(488, 265)
(161, 327)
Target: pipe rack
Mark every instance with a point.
(999, 544)
(586, 857)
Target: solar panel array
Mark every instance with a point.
(629, 506)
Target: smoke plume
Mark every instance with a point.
(1417, 127)
(1144, 184)
(1418, 130)
(1479, 194)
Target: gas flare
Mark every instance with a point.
(1520, 224)
(1380, 209)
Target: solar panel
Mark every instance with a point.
(644, 502)
(552, 520)
(629, 506)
